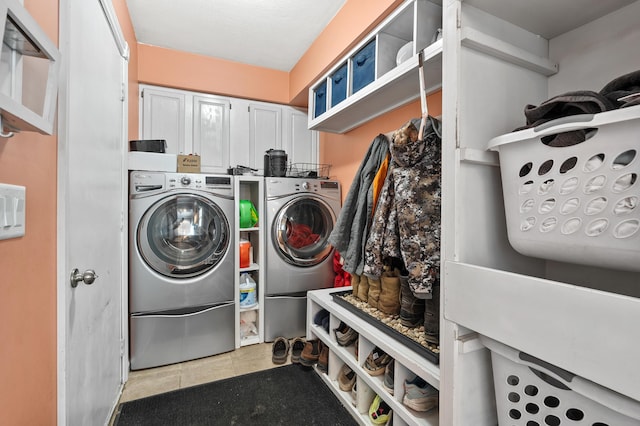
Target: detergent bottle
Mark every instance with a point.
(248, 214)
(247, 291)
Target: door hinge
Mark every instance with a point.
(121, 347)
(122, 92)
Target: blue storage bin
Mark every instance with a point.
(339, 85)
(364, 66)
(320, 102)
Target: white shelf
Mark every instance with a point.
(408, 362)
(250, 188)
(393, 85)
(585, 331)
(253, 267)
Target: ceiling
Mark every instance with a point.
(267, 33)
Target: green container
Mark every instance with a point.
(248, 214)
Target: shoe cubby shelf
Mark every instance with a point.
(381, 72)
(250, 188)
(408, 363)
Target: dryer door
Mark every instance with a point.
(301, 229)
(183, 236)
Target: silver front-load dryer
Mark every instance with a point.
(181, 267)
(301, 214)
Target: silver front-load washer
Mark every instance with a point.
(181, 267)
(301, 214)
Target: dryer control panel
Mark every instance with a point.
(143, 182)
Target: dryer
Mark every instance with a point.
(181, 267)
(300, 215)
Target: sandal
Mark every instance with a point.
(296, 349)
(280, 350)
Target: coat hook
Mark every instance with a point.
(2, 133)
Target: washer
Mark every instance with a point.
(300, 215)
(181, 267)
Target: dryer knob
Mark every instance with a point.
(185, 180)
(305, 186)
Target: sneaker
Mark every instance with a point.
(346, 378)
(388, 377)
(323, 359)
(311, 352)
(379, 412)
(376, 362)
(345, 335)
(419, 395)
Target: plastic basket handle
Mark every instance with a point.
(574, 120)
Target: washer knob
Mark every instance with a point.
(305, 186)
(185, 180)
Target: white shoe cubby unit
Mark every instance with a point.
(408, 363)
(250, 188)
(369, 81)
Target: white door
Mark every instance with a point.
(165, 116)
(300, 143)
(211, 133)
(91, 201)
(265, 131)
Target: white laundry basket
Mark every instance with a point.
(578, 203)
(531, 392)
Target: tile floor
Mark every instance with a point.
(152, 381)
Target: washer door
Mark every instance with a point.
(183, 236)
(301, 229)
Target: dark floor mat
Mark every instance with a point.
(289, 395)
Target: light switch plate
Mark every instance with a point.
(12, 211)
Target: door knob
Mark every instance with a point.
(88, 276)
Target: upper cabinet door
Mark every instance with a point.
(265, 131)
(211, 125)
(164, 116)
(300, 143)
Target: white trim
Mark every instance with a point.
(118, 37)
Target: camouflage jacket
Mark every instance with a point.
(406, 223)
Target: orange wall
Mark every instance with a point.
(181, 70)
(345, 152)
(28, 280)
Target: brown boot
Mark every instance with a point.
(411, 308)
(374, 292)
(389, 301)
(363, 288)
(355, 283)
(432, 316)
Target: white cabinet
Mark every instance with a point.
(250, 320)
(408, 363)
(225, 131)
(29, 64)
(300, 143)
(265, 126)
(265, 131)
(190, 123)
